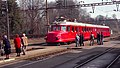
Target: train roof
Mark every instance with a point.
(80, 24)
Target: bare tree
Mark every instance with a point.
(68, 12)
(116, 22)
(32, 16)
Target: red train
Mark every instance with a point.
(65, 32)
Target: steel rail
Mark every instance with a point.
(80, 56)
(113, 61)
(77, 66)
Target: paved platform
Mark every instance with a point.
(34, 51)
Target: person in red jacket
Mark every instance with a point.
(17, 42)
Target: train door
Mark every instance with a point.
(87, 33)
(98, 30)
(83, 32)
(77, 29)
(94, 31)
(65, 34)
(69, 35)
(90, 31)
(80, 29)
(73, 32)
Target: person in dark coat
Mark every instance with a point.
(91, 39)
(7, 47)
(101, 38)
(98, 38)
(81, 40)
(77, 40)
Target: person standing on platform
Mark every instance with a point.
(7, 47)
(77, 40)
(24, 41)
(17, 42)
(98, 38)
(81, 40)
(101, 38)
(91, 39)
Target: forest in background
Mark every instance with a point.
(27, 17)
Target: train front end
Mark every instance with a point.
(55, 35)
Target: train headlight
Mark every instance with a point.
(45, 38)
(57, 38)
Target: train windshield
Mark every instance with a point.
(55, 28)
(58, 28)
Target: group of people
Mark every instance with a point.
(79, 39)
(100, 38)
(20, 44)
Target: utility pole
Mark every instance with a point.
(47, 16)
(8, 27)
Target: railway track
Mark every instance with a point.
(88, 61)
(112, 63)
(84, 62)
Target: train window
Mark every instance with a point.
(76, 29)
(88, 29)
(58, 27)
(95, 29)
(55, 28)
(84, 29)
(63, 28)
(73, 29)
(68, 28)
(91, 29)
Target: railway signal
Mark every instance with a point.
(3, 8)
(5, 13)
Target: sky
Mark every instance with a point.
(100, 10)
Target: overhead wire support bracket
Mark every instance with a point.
(83, 5)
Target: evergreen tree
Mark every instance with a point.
(14, 16)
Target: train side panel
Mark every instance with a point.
(71, 30)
